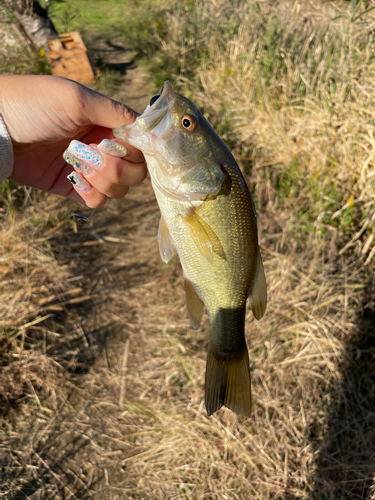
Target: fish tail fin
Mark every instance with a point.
(228, 381)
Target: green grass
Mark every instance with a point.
(140, 24)
(83, 15)
(21, 62)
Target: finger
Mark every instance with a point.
(133, 154)
(88, 160)
(97, 134)
(75, 196)
(96, 186)
(101, 183)
(62, 187)
(100, 110)
(98, 181)
(120, 148)
(105, 186)
(91, 197)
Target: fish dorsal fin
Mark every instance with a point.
(195, 306)
(258, 293)
(166, 245)
(203, 236)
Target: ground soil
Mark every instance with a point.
(113, 345)
(113, 54)
(114, 363)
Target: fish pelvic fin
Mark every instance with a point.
(194, 304)
(228, 381)
(258, 293)
(166, 245)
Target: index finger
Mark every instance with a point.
(97, 134)
(133, 154)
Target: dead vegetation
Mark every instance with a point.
(102, 378)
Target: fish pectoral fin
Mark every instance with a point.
(258, 294)
(214, 240)
(199, 235)
(227, 382)
(194, 304)
(166, 245)
(203, 236)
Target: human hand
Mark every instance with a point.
(43, 114)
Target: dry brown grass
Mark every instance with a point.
(34, 287)
(134, 424)
(105, 399)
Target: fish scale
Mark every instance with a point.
(208, 217)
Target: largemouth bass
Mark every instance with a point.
(208, 217)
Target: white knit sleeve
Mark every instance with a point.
(6, 152)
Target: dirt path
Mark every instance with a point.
(122, 371)
(123, 350)
(113, 55)
(121, 356)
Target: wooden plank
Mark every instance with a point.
(73, 64)
(77, 38)
(68, 58)
(55, 44)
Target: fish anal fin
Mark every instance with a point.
(203, 236)
(258, 293)
(166, 245)
(227, 382)
(194, 304)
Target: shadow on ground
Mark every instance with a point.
(346, 457)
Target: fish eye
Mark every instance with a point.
(188, 123)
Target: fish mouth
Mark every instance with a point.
(156, 118)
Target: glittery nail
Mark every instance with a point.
(86, 153)
(79, 182)
(112, 148)
(78, 164)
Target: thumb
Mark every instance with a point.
(105, 112)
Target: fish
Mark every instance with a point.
(208, 217)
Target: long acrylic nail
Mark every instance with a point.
(112, 148)
(79, 182)
(78, 164)
(86, 153)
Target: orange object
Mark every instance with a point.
(68, 58)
